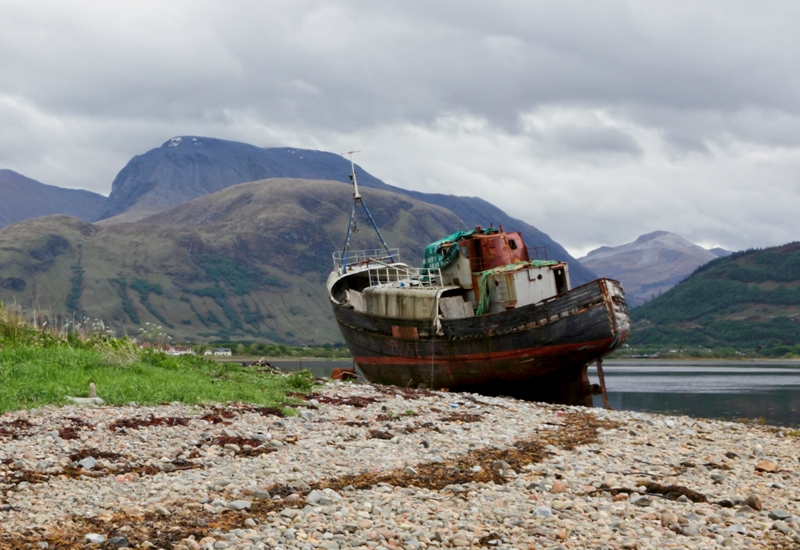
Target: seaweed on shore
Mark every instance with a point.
(574, 429)
(670, 492)
(136, 423)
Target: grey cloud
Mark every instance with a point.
(371, 63)
(702, 94)
(597, 140)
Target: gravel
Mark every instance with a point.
(457, 471)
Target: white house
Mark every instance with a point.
(179, 350)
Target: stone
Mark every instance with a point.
(689, 531)
(782, 527)
(737, 528)
(88, 463)
(777, 513)
(500, 466)
(766, 466)
(227, 432)
(753, 502)
(232, 447)
(119, 542)
(542, 511)
(560, 505)
(643, 502)
(518, 512)
(314, 497)
(95, 538)
(668, 518)
(86, 401)
(237, 505)
(301, 486)
(305, 415)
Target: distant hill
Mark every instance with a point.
(650, 265)
(24, 198)
(748, 301)
(248, 262)
(188, 167)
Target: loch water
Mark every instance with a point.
(731, 390)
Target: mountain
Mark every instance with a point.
(748, 301)
(188, 167)
(248, 262)
(24, 198)
(650, 265)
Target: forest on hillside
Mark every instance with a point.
(748, 302)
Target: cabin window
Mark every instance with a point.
(512, 243)
(465, 251)
(561, 280)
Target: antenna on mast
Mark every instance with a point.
(352, 227)
(356, 194)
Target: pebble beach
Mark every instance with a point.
(378, 467)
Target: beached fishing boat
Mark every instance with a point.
(480, 315)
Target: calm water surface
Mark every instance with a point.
(718, 389)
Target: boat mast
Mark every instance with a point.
(356, 200)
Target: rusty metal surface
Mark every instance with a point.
(540, 350)
(494, 250)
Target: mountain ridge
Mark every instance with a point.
(25, 198)
(748, 301)
(247, 262)
(186, 167)
(650, 265)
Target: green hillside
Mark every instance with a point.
(246, 263)
(748, 302)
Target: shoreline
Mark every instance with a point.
(387, 468)
(239, 359)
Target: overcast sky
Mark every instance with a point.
(594, 121)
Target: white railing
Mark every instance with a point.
(401, 276)
(356, 257)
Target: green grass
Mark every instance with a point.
(32, 377)
(43, 367)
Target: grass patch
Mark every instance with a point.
(37, 376)
(42, 367)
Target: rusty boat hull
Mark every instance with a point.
(538, 352)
